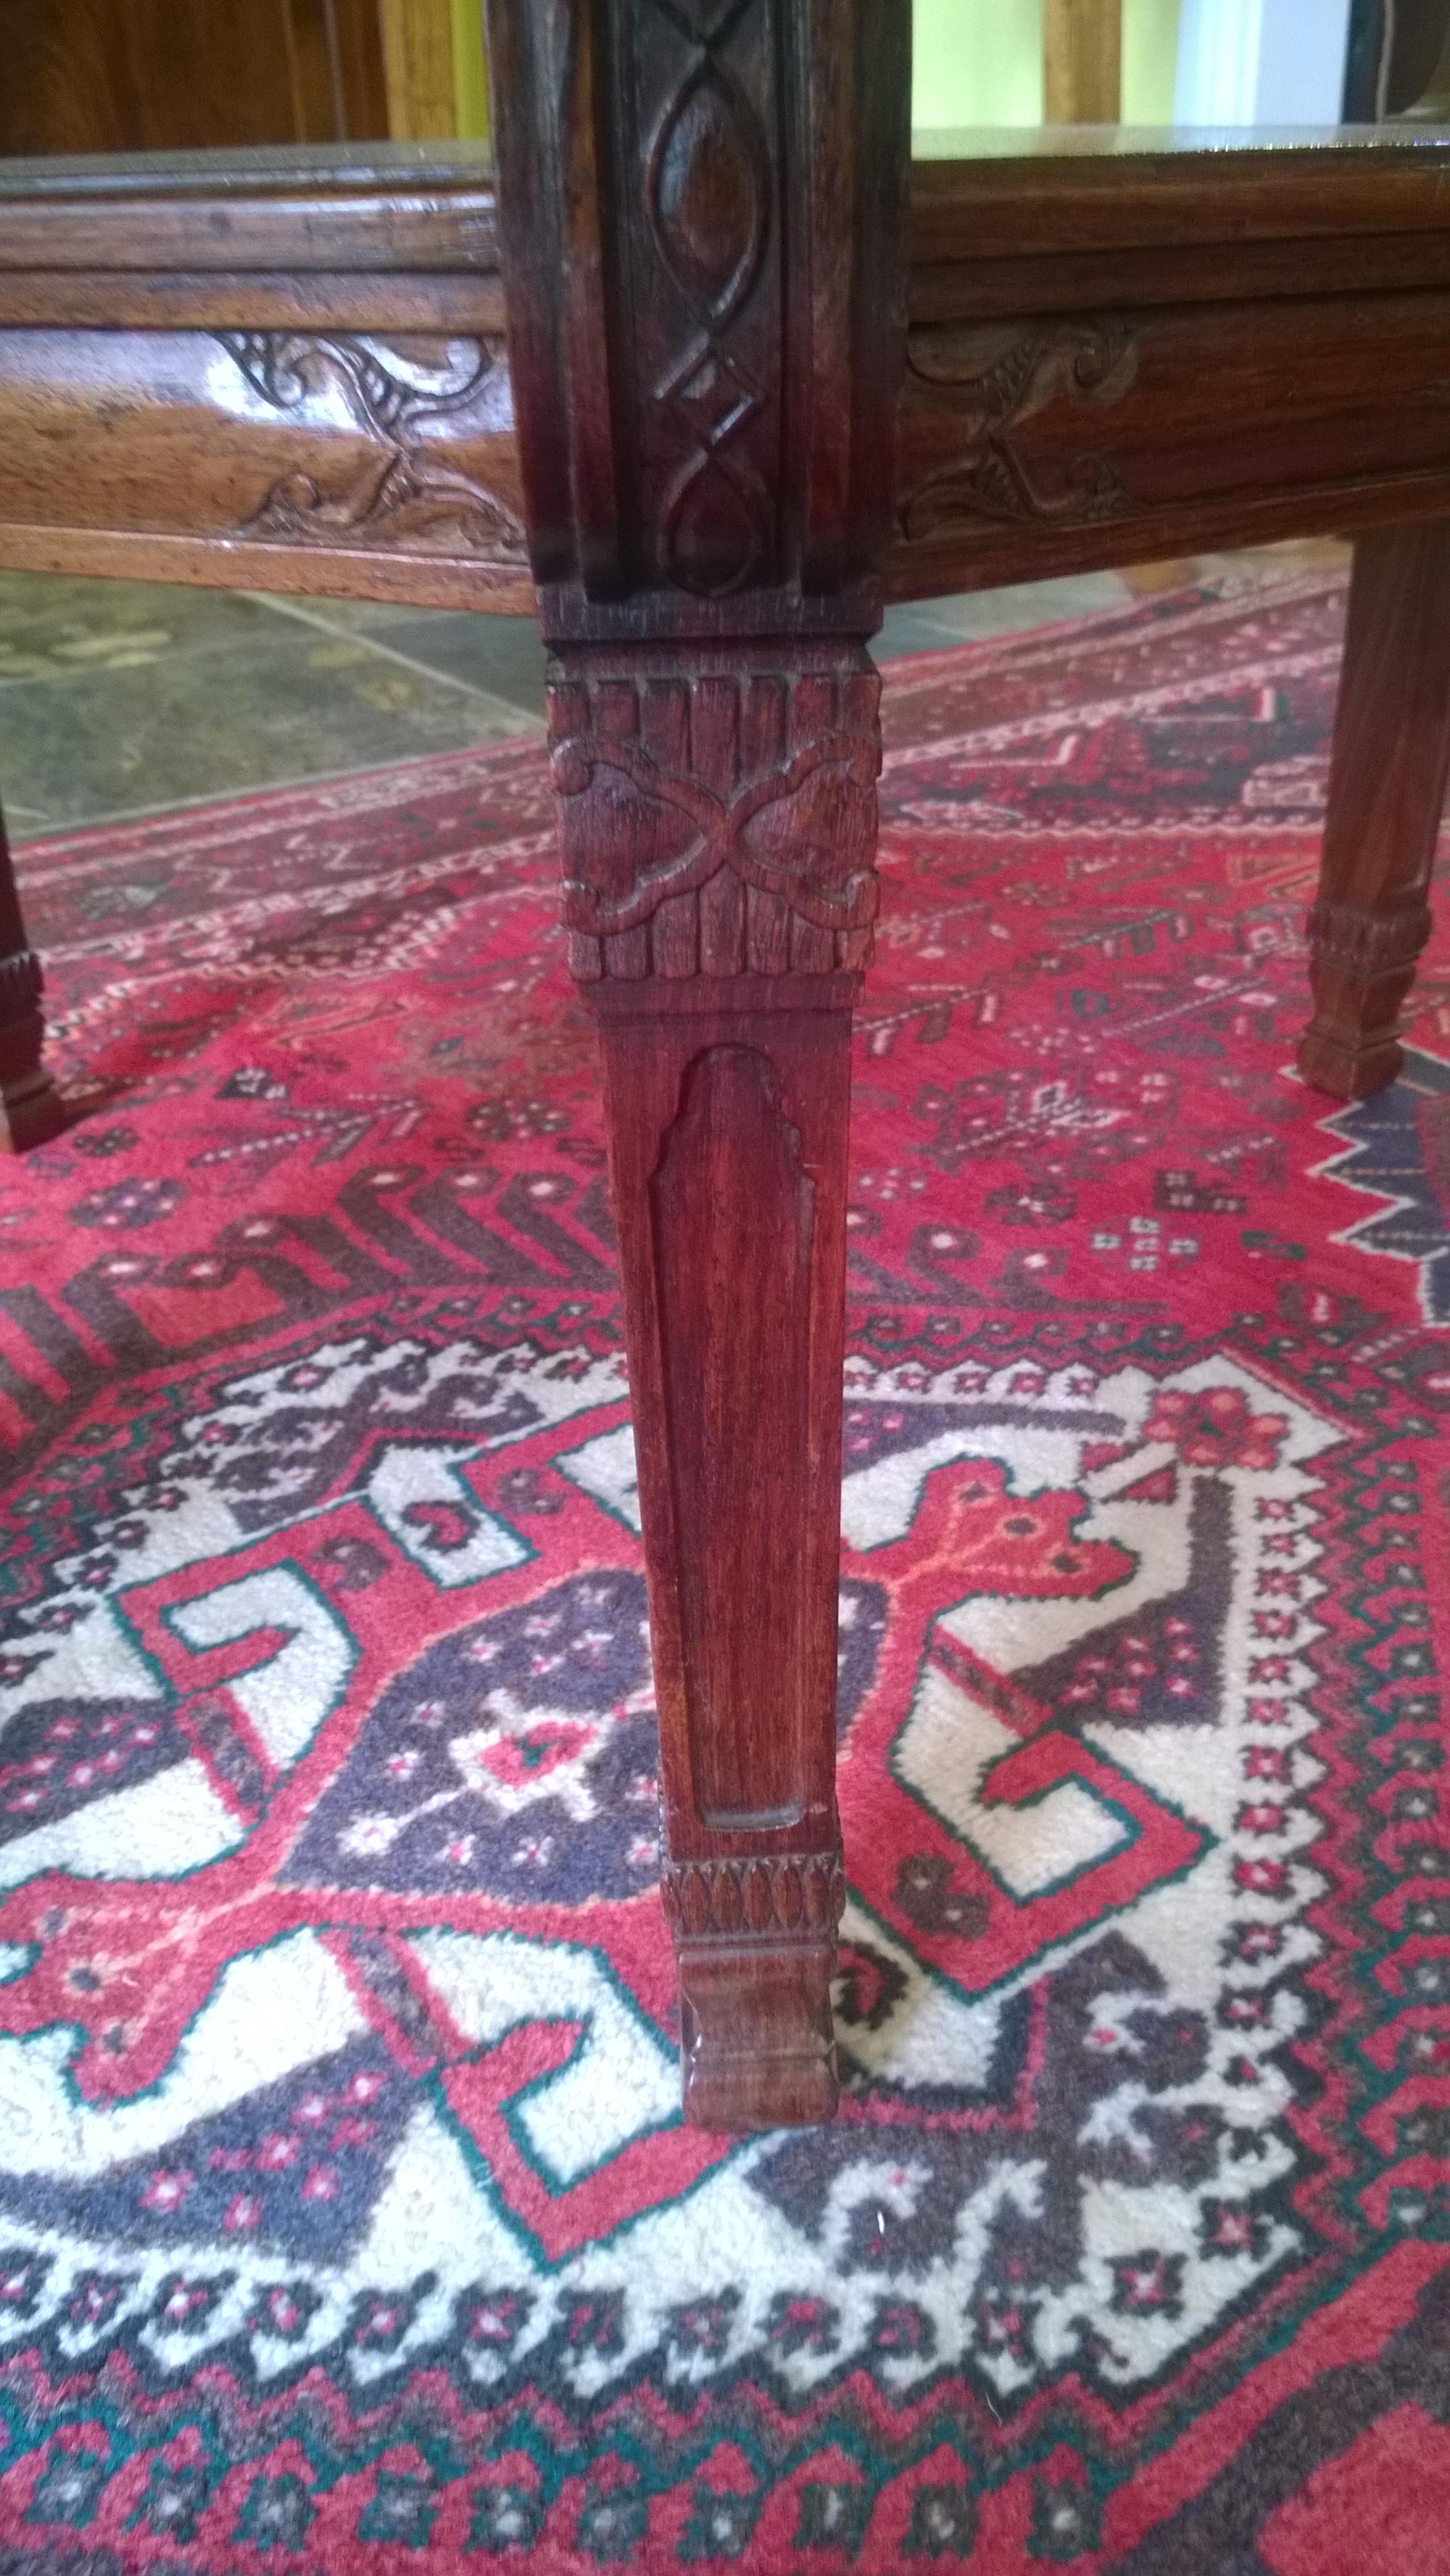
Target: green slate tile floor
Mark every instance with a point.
(116, 697)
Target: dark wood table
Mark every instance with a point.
(707, 369)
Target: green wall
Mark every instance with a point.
(1150, 60)
(979, 62)
(470, 80)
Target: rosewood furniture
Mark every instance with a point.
(710, 367)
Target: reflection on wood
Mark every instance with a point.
(734, 1217)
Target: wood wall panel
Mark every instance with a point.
(169, 75)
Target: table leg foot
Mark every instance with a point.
(31, 1113)
(30, 1106)
(755, 1948)
(1362, 966)
(1386, 790)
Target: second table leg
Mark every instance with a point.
(1386, 792)
(30, 1109)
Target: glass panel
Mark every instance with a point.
(1125, 142)
(260, 166)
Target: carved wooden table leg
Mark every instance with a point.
(30, 1108)
(723, 998)
(1386, 791)
(702, 205)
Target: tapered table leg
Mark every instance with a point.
(702, 212)
(1386, 791)
(722, 979)
(30, 1108)
(727, 1132)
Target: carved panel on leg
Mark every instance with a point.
(727, 1110)
(735, 1359)
(716, 820)
(1386, 792)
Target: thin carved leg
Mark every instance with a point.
(1386, 791)
(703, 219)
(724, 1019)
(30, 1109)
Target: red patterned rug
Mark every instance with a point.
(346, 2219)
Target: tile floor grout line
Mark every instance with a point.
(423, 670)
(53, 827)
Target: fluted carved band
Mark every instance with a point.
(1365, 943)
(792, 1893)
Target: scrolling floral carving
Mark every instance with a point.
(404, 495)
(717, 823)
(989, 478)
(708, 205)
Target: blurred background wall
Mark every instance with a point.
(161, 75)
(983, 66)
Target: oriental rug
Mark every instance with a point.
(347, 2222)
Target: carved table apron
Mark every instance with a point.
(705, 371)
